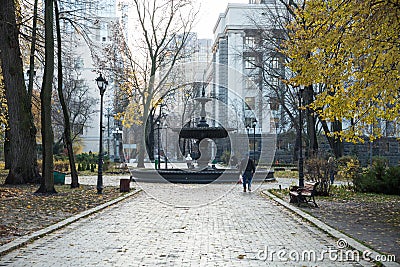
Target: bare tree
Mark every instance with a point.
(67, 124)
(47, 183)
(162, 30)
(77, 97)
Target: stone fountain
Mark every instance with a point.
(203, 173)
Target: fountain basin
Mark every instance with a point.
(200, 133)
(195, 177)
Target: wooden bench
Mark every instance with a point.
(303, 194)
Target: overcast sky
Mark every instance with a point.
(208, 15)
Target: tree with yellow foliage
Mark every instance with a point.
(352, 48)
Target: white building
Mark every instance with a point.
(238, 53)
(105, 13)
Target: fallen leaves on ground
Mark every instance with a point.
(370, 218)
(23, 212)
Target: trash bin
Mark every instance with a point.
(124, 185)
(59, 177)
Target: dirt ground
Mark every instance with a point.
(23, 212)
(371, 219)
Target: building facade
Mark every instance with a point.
(239, 55)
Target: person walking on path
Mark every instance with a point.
(247, 169)
(332, 169)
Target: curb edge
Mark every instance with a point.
(328, 229)
(22, 241)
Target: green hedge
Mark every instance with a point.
(379, 179)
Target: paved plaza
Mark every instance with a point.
(237, 229)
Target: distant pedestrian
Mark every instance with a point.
(332, 169)
(247, 169)
(189, 161)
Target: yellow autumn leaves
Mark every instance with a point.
(3, 108)
(352, 48)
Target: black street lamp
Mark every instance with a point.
(254, 139)
(158, 144)
(102, 84)
(300, 140)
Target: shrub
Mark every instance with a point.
(348, 168)
(379, 179)
(106, 165)
(86, 158)
(316, 169)
(392, 180)
(226, 155)
(61, 165)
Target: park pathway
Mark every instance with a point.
(238, 229)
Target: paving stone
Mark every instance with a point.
(234, 230)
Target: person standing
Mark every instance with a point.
(332, 168)
(247, 169)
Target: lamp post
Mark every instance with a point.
(300, 140)
(254, 140)
(117, 134)
(101, 84)
(158, 144)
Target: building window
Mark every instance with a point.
(250, 62)
(104, 39)
(274, 82)
(250, 103)
(250, 41)
(275, 63)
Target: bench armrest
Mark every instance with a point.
(294, 188)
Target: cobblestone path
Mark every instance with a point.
(239, 229)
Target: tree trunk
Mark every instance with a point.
(144, 130)
(312, 148)
(7, 155)
(334, 143)
(141, 146)
(21, 155)
(337, 148)
(47, 183)
(67, 124)
(150, 136)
